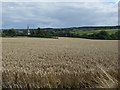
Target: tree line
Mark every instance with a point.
(104, 35)
(33, 33)
(60, 33)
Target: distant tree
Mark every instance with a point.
(116, 36)
(41, 33)
(103, 35)
(38, 28)
(10, 32)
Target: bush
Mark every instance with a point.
(103, 35)
(115, 36)
(10, 33)
(41, 33)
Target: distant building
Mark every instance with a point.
(28, 31)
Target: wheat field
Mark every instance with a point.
(59, 63)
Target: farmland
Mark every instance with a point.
(88, 32)
(59, 63)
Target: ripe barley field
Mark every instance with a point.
(59, 63)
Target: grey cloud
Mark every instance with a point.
(19, 15)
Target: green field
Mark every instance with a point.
(112, 31)
(88, 32)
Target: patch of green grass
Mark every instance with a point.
(112, 32)
(81, 32)
(84, 32)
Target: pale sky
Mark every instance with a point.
(59, 14)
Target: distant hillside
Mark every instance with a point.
(84, 28)
(96, 32)
(80, 28)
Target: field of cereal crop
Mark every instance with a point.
(59, 63)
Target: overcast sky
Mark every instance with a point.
(58, 14)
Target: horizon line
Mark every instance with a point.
(65, 27)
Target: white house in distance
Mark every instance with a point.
(28, 31)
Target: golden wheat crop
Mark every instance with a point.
(59, 63)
